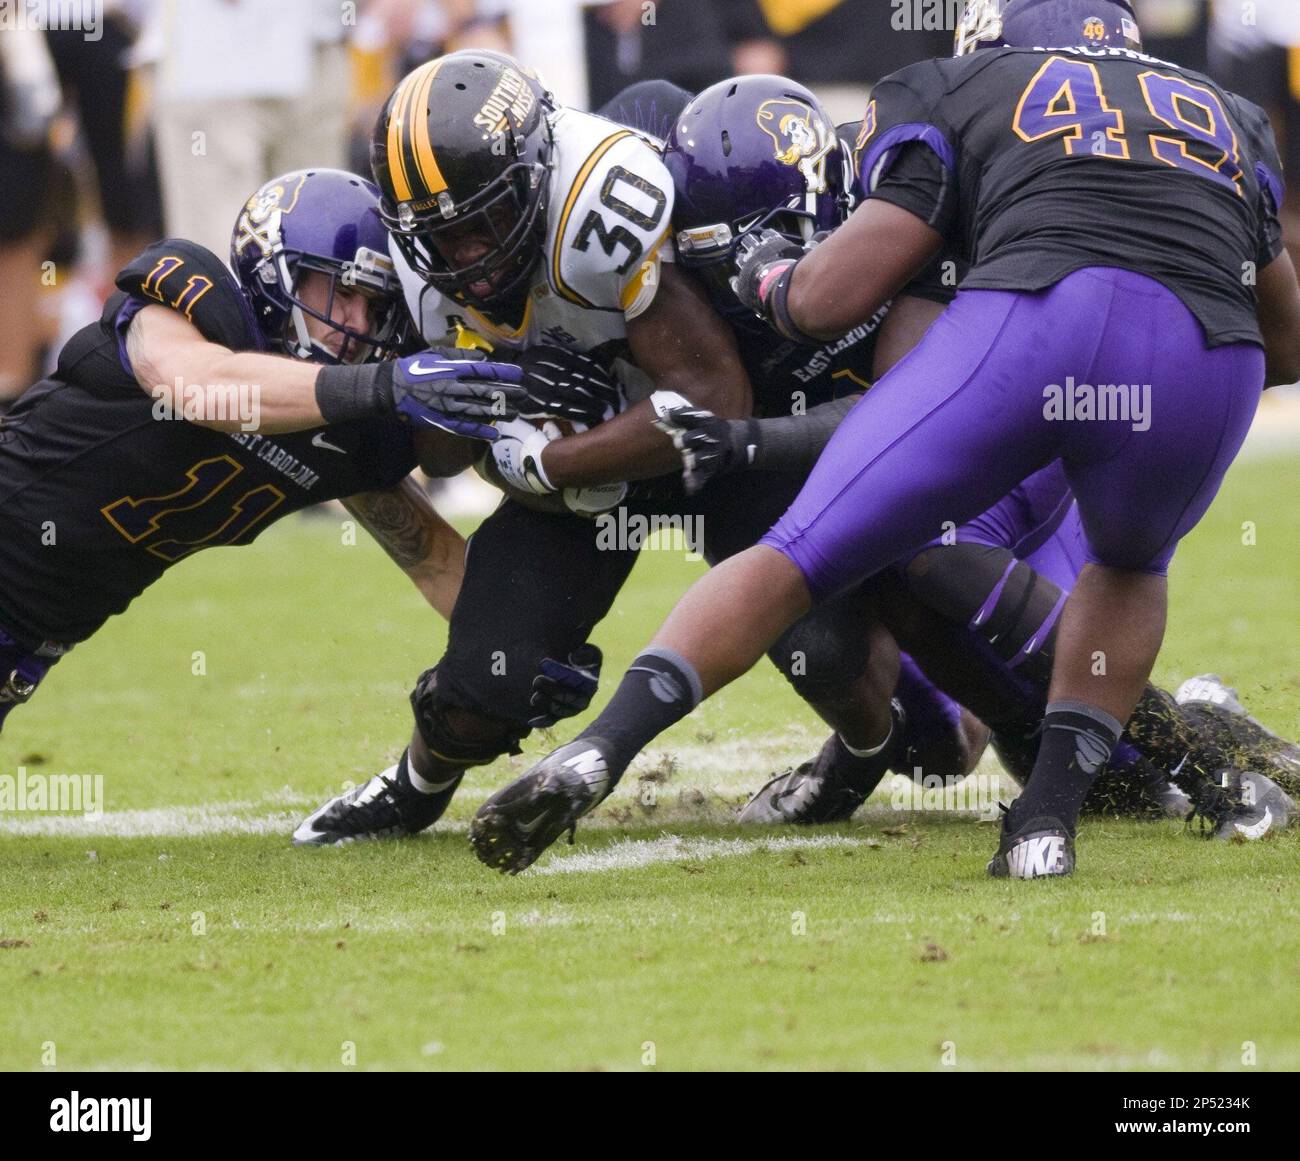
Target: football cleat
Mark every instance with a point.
(1042, 848)
(817, 792)
(383, 807)
(1260, 807)
(1209, 689)
(1249, 742)
(513, 827)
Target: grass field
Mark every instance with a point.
(181, 930)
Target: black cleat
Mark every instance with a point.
(819, 791)
(1258, 807)
(383, 807)
(1041, 848)
(514, 826)
(1247, 742)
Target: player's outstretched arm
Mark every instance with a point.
(682, 344)
(446, 390)
(1279, 320)
(419, 541)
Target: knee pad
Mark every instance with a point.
(456, 746)
(986, 588)
(824, 652)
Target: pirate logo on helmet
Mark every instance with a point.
(1094, 29)
(800, 137)
(262, 212)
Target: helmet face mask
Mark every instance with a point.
(370, 275)
(502, 216)
(462, 154)
(323, 223)
(710, 251)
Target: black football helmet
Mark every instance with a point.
(464, 142)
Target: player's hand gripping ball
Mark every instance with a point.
(568, 392)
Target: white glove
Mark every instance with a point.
(517, 454)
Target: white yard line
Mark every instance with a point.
(702, 782)
(160, 822)
(630, 854)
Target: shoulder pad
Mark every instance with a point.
(611, 214)
(194, 282)
(901, 110)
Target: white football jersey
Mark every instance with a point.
(608, 215)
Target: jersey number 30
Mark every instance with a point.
(1065, 99)
(621, 235)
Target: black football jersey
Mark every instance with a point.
(1035, 163)
(102, 488)
(789, 378)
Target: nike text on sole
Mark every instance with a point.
(1038, 854)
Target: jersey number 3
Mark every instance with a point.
(1066, 99)
(621, 235)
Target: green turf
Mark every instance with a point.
(875, 949)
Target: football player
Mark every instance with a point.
(736, 170)
(517, 222)
(1078, 183)
(131, 457)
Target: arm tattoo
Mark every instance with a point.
(397, 520)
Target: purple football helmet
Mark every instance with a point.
(749, 153)
(327, 222)
(1047, 24)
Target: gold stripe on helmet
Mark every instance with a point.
(396, 122)
(425, 162)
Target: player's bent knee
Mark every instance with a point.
(824, 653)
(459, 736)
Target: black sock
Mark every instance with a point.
(863, 769)
(659, 688)
(1076, 743)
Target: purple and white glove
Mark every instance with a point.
(457, 391)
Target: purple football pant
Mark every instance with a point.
(1027, 518)
(964, 418)
(1038, 520)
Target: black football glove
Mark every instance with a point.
(560, 691)
(761, 257)
(565, 384)
(709, 446)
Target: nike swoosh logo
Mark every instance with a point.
(527, 828)
(319, 440)
(1257, 829)
(418, 368)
